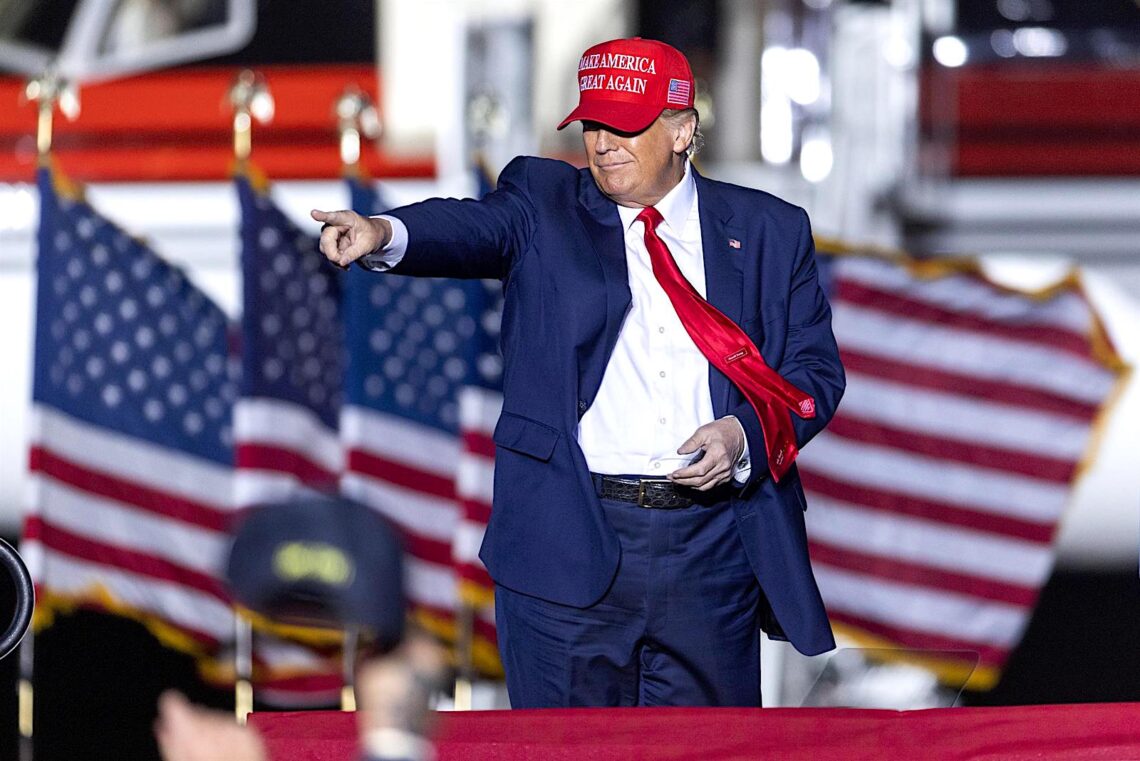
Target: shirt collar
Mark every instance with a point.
(674, 207)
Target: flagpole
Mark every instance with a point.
(348, 669)
(250, 99)
(243, 667)
(25, 696)
(48, 91)
(356, 116)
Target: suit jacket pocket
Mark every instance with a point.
(525, 436)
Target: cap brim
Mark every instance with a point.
(624, 117)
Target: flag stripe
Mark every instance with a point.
(119, 524)
(199, 615)
(906, 306)
(930, 541)
(475, 479)
(960, 418)
(467, 541)
(949, 381)
(478, 443)
(931, 479)
(412, 511)
(106, 485)
(476, 511)
(431, 584)
(181, 477)
(917, 574)
(425, 548)
(970, 293)
(288, 427)
(80, 547)
(1008, 461)
(392, 439)
(929, 611)
(254, 456)
(954, 351)
(400, 474)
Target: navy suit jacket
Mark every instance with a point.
(557, 243)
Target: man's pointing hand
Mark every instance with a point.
(347, 236)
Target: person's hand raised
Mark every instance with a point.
(347, 236)
(187, 732)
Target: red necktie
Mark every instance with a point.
(731, 351)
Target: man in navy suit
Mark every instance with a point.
(646, 525)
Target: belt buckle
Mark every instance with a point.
(641, 492)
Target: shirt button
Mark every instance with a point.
(657, 465)
(661, 330)
(661, 420)
(662, 373)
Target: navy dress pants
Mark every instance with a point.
(678, 626)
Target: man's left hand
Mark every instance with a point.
(723, 443)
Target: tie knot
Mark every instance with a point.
(651, 217)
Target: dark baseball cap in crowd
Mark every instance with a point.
(320, 561)
(626, 84)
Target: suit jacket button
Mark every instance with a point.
(582, 405)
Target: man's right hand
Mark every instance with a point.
(349, 236)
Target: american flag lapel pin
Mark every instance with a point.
(733, 243)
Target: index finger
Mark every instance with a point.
(338, 218)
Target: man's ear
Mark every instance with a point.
(683, 135)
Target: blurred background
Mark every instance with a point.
(972, 172)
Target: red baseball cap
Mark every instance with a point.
(626, 84)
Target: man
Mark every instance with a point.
(394, 722)
(646, 522)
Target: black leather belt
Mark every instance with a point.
(657, 493)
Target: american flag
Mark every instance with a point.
(935, 493)
(414, 346)
(285, 420)
(679, 92)
(131, 449)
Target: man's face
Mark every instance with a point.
(636, 168)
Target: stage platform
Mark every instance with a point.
(1104, 731)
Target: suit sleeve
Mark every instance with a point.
(466, 238)
(811, 357)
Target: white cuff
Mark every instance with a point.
(389, 256)
(743, 467)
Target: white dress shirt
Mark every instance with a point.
(655, 390)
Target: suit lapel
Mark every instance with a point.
(723, 271)
(724, 245)
(602, 224)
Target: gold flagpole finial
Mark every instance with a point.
(49, 90)
(356, 117)
(250, 98)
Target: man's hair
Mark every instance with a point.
(678, 116)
